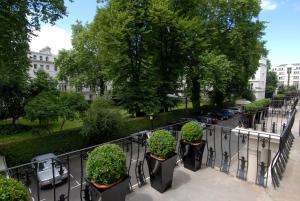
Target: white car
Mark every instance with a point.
(236, 110)
(3, 167)
(45, 169)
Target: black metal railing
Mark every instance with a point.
(280, 160)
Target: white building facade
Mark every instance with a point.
(259, 80)
(288, 74)
(44, 60)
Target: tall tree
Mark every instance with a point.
(18, 20)
(80, 66)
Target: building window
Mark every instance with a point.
(55, 68)
(41, 66)
(251, 86)
(282, 73)
(34, 66)
(296, 77)
(34, 57)
(41, 58)
(47, 59)
(296, 72)
(253, 77)
(47, 67)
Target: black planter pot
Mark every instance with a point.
(192, 154)
(161, 172)
(116, 192)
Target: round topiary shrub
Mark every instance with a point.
(12, 190)
(162, 144)
(191, 132)
(106, 164)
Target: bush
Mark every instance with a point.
(279, 97)
(12, 190)
(191, 132)
(20, 152)
(101, 124)
(106, 164)
(162, 144)
(251, 108)
(9, 129)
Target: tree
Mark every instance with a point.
(44, 107)
(18, 20)
(271, 83)
(72, 106)
(42, 82)
(80, 66)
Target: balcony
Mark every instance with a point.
(239, 163)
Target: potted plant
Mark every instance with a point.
(12, 190)
(106, 172)
(191, 145)
(161, 159)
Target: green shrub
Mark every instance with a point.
(251, 108)
(191, 131)
(12, 190)
(20, 152)
(9, 129)
(102, 123)
(162, 144)
(106, 164)
(279, 97)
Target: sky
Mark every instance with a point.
(282, 34)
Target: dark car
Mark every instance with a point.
(213, 119)
(220, 115)
(204, 121)
(229, 112)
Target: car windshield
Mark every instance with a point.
(45, 165)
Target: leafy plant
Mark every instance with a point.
(12, 190)
(251, 108)
(102, 123)
(106, 164)
(162, 144)
(279, 97)
(191, 131)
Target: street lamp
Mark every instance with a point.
(151, 119)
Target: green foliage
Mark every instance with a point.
(248, 94)
(13, 190)
(279, 97)
(102, 123)
(162, 144)
(8, 129)
(19, 19)
(106, 164)
(251, 108)
(80, 66)
(72, 105)
(22, 151)
(44, 108)
(191, 132)
(41, 83)
(271, 84)
(256, 106)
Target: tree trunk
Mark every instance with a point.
(102, 87)
(196, 94)
(14, 121)
(62, 125)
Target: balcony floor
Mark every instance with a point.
(212, 185)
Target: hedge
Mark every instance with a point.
(256, 106)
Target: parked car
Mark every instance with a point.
(3, 166)
(205, 121)
(44, 166)
(230, 112)
(212, 118)
(236, 110)
(220, 115)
